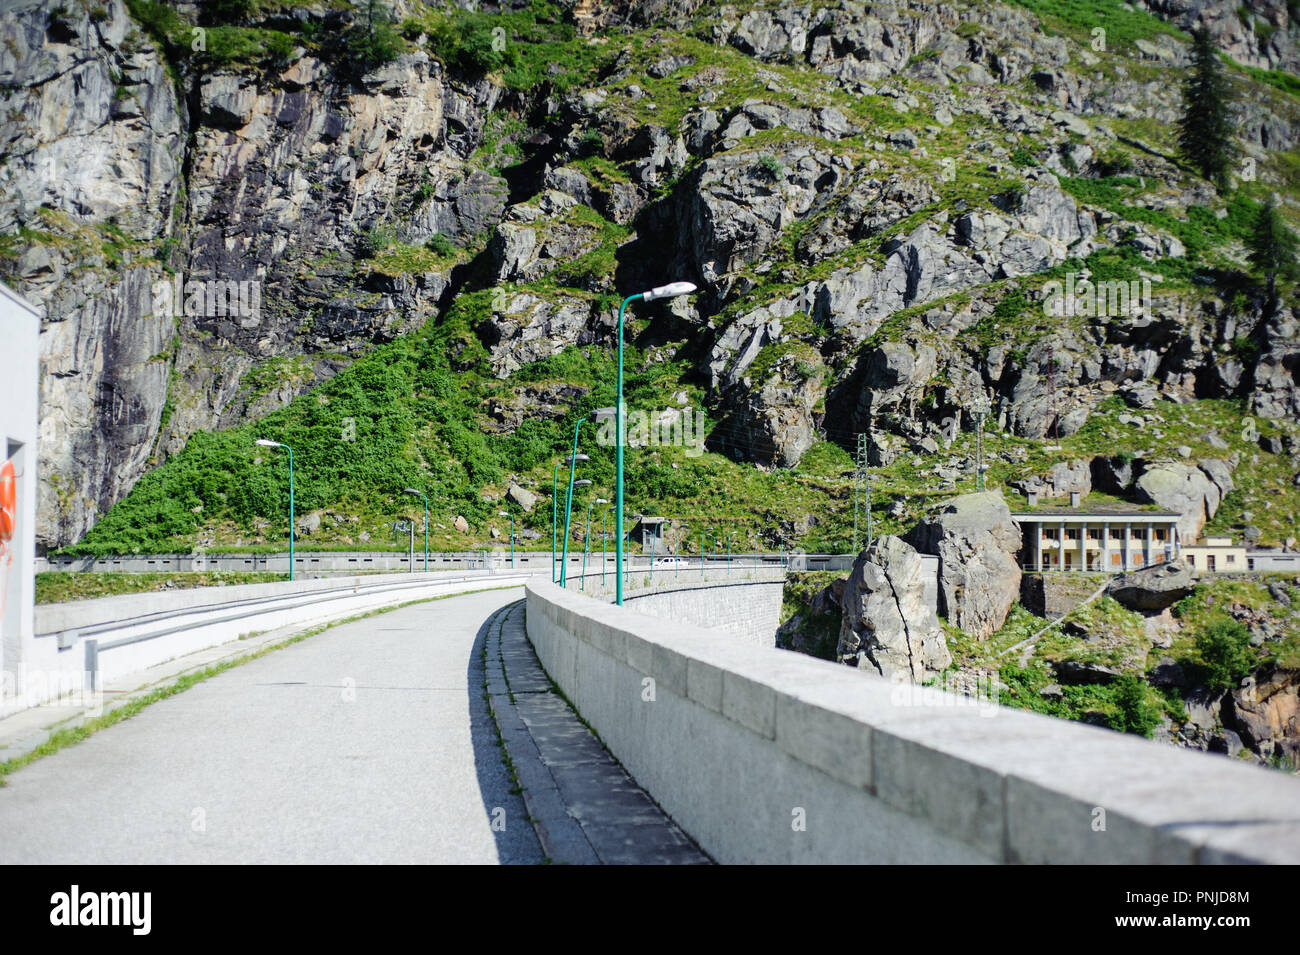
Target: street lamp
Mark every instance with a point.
(276, 444)
(512, 537)
(586, 540)
(568, 510)
(672, 290)
(555, 497)
(420, 495)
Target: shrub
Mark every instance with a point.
(772, 166)
(374, 240)
(440, 245)
(1136, 713)
(1226, 657)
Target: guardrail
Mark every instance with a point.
(352, 562)
(80, 645)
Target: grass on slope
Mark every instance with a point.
(60, 586)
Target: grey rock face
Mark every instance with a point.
(1152, 589)
(528, 328)
(976, 542)
(1188, 490)
(887, 625)
(74, 94)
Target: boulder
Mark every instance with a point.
(308, 524)
(888, 625)
(976, 542)
(1265, 711)
(461, 524)
(1152, 589)
(525, 498)
(1078, 673)
(1182, 488)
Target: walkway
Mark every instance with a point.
(371, 742)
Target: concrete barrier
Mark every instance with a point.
(742, 600)
(80, 645)
(768, 756)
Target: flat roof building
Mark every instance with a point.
(1109, 540)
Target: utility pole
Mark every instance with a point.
(980, 414)
(861, 493)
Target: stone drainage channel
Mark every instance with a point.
(584, 805)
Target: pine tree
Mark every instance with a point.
(1205, 130)
(1273, 248)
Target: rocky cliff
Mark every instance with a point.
(884, 204)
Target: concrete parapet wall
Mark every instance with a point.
(768, 756)
(742, 601)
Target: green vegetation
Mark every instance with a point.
(1206, 127)
(1223, 647)
(1273, 249)
(61, 586)
(1121, 22)
(816, 634)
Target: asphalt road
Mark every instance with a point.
(368, 743)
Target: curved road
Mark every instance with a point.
(369, 742)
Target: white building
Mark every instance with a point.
(1100, 540)
(20, 373)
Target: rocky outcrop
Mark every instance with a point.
(976, 542)
(888, 626)
(1153, 589)
(1190, 491)
(1265, 712)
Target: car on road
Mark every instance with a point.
(670, 562)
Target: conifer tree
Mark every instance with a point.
(1273, 249)
(1205, 130)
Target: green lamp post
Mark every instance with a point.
(555, 497)
(420, 495)
(672, 290)
(564, 563)
(276, 444)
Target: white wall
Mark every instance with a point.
(20, 327)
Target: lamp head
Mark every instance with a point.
(264, 442)
(411, 490)
(576, 459)
(600, 500)
(582, 482)
(671, 290)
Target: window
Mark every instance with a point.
(1072, 533)
(1114, 560)
(1232, 558)
(1094, 533)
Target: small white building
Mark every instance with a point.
(20, 330)
(1273, 559)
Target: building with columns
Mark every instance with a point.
(1108, 540)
